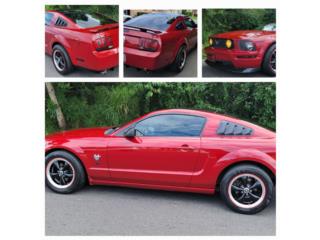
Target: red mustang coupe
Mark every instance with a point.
(76, 38)
(176, 150)
(245, 49)
(153, 41)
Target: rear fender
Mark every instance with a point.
(242, 155)
(208, 174)
(58, 39)
(182, 41)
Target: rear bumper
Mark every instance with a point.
(142, 59)
(238, 59)
(102, 60)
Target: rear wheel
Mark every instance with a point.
(61, 60)
(180, 60)
(247, 189)
(269, 61)
(64, 173)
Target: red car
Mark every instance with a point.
(76, 38)
(245, 49)
(176, 150)
(153, 41)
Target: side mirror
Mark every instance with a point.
(180, 26)
(130, 133)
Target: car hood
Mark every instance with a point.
(246, 34)
(79, 133)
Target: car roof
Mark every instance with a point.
(163, 14)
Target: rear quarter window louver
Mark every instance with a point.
(233, 129)
(60, 22)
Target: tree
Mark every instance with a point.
(60, 117)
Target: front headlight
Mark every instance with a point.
(247, 45)
(210, 41)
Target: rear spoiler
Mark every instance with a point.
(103, 28)
(149, 30)
(97, 29)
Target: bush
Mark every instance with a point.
(112, 104)
(110, 11)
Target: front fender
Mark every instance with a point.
(69, 147)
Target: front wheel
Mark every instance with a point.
(247, 189)
(269, 61)
(180, 60)
(64, 173)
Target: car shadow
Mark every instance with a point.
(220, 70)
(151, 194)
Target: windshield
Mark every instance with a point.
(88, 20)
(154, 21)
(269, 27)
(111, 130)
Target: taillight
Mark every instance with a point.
(148, 44)
(102, 42)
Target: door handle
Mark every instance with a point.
(186, 147)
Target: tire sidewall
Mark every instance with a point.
(68, 68)
(266, 61)
(79, 174)
(176, 66)
(252, 170)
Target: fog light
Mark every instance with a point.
(228, 43)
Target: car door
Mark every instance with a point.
(164, 151)
(191, 31)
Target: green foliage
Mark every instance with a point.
(110, 104)
(111, 11)
(224, 20)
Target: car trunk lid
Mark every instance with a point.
(142, 38)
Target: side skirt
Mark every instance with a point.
(152, 186)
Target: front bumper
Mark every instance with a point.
(238, 59)
(142, 59)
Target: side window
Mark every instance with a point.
(180, 26)
(60, 22)
(48, 18)
(190, 23)
(171, 125)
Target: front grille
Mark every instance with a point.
(220, 43)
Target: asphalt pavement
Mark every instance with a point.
(222, 71)
(78, 72)
(105, 210)
(190, 69)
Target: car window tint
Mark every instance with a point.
(157, 21)
(171, 125)
(190, 23)
(48, 18)
(86, 20)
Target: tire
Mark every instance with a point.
(61, 60)
(269, 61)
(72, 177)
(231, 189)
(180, 60)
